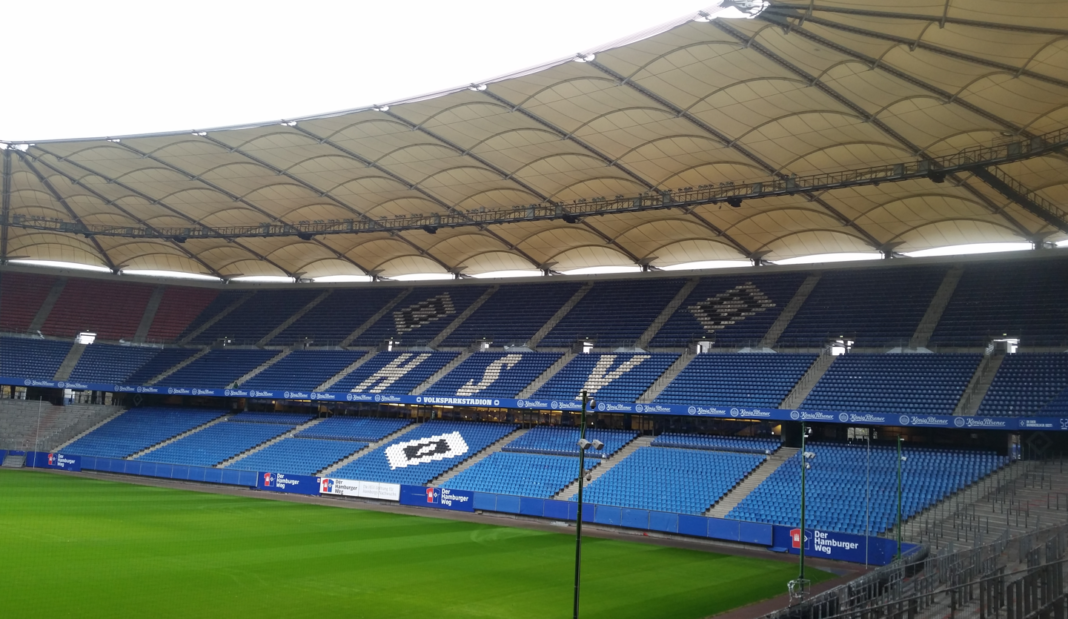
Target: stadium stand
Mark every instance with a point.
(216, 444)
(612, 378)
(1025, 384)
(745, 444)
(138, 429)
(250, 323)
(731, 311)
(1028, 301)
(297, 456)
(685, 481)
(393, 464)
(108, 363)
(421, 315)
(112, 310)
(364, 429)
(290, 419)
(222, 301)
(1058, 406)
(594, 316)
(919, 384)
(872, 307)
(557, 441)
(31, 358)
(513, 314)
(835, 485)
(493, 374)
(394, 372)
(518, 474)
(22, 295)
(176, 311)
(303, 369)
(337, 316)
(165, 360)
(759, 380)
(219, 368)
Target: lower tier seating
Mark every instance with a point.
(564, 441)
(291, 419)
(216, 443)
(297, 456)
(518, 474)
(354, 429)
(747, 444)
(139, 428)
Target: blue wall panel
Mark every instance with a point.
(531, 507)
(609, 515)
(663, 521)
(179, 471)
(231, 476)
(693, 525)
(556, 509)
(723, 529)
(589, 511)
(755, 533)
(248, 478)
(635, 518)
(486, 501)
(507, 504)
(212, 475)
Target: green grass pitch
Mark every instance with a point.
(75, 547)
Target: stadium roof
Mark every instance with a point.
(803, 88)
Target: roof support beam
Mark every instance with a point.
(5, 205)
(796, 10)
(1029, 200)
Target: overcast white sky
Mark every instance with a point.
(114, 67)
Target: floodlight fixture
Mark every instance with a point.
(115, 140)
(430, 229)
(380, 108)
(200, 133)
(289, 123)
(597, 444)
(476, 87)
(583, 443)
(585, 57)
(734, 202)
(809, 455)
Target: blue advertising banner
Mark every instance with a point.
(44, 460)
(842, 546)
(283, 482)
(438, 498)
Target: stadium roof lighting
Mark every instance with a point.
(585, 57)
(200, 133)
(380, 108)
(289, 123)
(477, 87)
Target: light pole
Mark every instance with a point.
(583, 445)
(799, 587)
(900, 459)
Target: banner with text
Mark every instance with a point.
(283, 482)
(44, 460)
(363, 489)
(438, 498)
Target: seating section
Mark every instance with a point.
(1025, 384)
(21, 295)
(138, 429)
(556, 441)
(1024, 300)
(364, 429)
(224, 300)
(836, 489)
(732, 311)
(216, 443)
(493, 374)
(518, 474)
(1057, 407)
(303, 369)
(407, 461)
(612, 378)
(31, 358)
(919, 384)
(108, 363)
(163, 361)
(112, 310)
(685, 481)
(290, 419)
(744, 444)
(258, 316)
(421, 315)
(513, 314)
(337, 316)
(597, 316)
(872, 307)
(219, 368)
(176, 311)
(758, 380)
(395, 373)
(297, 456)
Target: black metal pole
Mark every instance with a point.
(801, 546)
(899, 496)
(578, 524)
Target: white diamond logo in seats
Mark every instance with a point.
(423, 450)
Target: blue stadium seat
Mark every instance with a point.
(31, 358)
(518, 474)
(138, 429)
(257, 317)
(744, 444)
(107, 363)
(394, 373)
(758, 380)
(216, 443)
(513, 314)
(609, 377)
(558, 441)
(297, 456)
(596, 315)
(336, 317)
(163, 361)
(219, 368)
(421, 316)
(493, 374)
(366, 429)
(303, 369)
(1025, 384)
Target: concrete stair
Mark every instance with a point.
(345, 372)
(373, 319)
(776, 329)
(229, 308)
(73, 355)
(604, 466)
(13, 462)
(476, 458)
(46, 307)
(36, 425)
(930, 319)
(665, 379)
(979, 384)
(366, 450)
(436, 376)
(177, 437)
(667, 313)
(263, 366)
(115, 412)
(464, 315)
(268, 443)
(295, 317)
(808, 381)
(150, 314)
(729, 501)
(544, 377)
(558, 316)
(166, 373)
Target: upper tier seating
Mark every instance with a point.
(872, 307)
(513, 314)
(758, 380)
(1025, 300)
(140, 428)
(258, 316)
(297, 456)
(493, 374)
(732, 311)
(392, 464)
(421, 315)
(112, 310)
(337, 316)
(219, 368)
(31, 358)
(366, 429)
(177, 309)
(836, 490)
(1025, 384)
(745, 444)
(395, 373)
(557, 441)
(163, 361)
(289, 419)
(107, 363)
(685, 481)
(216, 443)
(518, 474)
(224, 300)
(21, 295)
(614, 312)
(919, 384)
(303, 369)
(612, 378)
